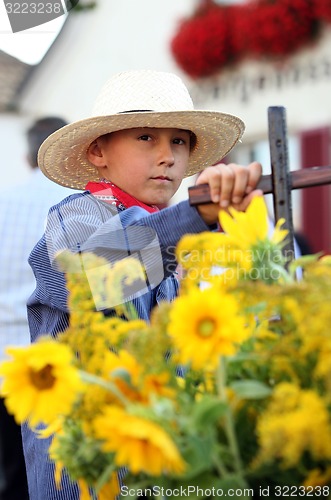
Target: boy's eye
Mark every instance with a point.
(145, 137)
(178, 140)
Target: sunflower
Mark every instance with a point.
(245, 229)
(138, 443)
(40, 382)
(204, 325)
(250, 248)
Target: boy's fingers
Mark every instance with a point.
(220, 179)
(227, 181)
(230, 184)
(240, 183)
(255, 172)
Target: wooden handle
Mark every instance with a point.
(307, 177)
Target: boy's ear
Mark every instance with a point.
(94, 154)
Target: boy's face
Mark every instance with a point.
(148, 163)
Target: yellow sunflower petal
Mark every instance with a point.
(110, 490)
(205, 325)
(246, 228)
(138, 443)
(40, 383)
(83, 490)
(278, 233)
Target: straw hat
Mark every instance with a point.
(137, 99)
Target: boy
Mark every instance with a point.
(130, 156)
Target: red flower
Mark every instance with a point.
(279, 27)
(202, 43)
(322, 10)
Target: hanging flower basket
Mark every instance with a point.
(216, 36)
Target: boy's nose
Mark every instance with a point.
(166, 154)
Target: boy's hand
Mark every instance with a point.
(229, 185)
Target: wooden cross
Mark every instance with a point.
(281, 181)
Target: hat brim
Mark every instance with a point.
(62, 156)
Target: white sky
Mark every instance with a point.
(29, 45)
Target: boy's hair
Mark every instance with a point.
(38, 132)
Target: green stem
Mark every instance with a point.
(105, 477)
(220, 466)
(282, 272)
(109, 386)
(229, 423)
(130, 311)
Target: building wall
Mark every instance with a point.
(113, 37)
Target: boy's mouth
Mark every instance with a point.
(161, 178)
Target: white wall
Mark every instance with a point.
(115, 36)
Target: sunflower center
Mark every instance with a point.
(43, 379)
(206, 327)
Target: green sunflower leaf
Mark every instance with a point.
(250, 389)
